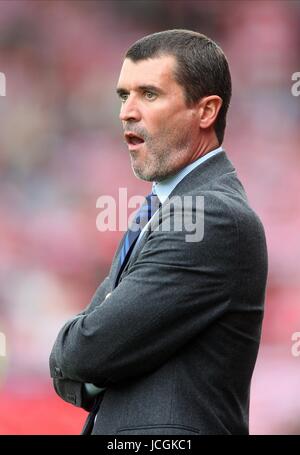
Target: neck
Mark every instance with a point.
(206, 145)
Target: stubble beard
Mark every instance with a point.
(161, 161)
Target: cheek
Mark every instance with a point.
(169, 121)
(154, 123)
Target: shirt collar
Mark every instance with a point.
(164, 188)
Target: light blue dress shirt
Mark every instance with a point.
(164, 188)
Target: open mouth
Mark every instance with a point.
(133, 139)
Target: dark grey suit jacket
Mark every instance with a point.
(176, 342)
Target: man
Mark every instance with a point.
(169, 341)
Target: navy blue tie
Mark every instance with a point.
(143, 215)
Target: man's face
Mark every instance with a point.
(162, 133)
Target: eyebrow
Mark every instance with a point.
(141, 88)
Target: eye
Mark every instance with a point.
(123, 97)
(150, 96)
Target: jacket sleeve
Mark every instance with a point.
(77, 392)
(74, 392)
(172, 292)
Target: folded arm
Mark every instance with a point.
(79, 393)
(173, 291)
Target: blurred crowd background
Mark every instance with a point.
(61, 148)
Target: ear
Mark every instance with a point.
(209, 107)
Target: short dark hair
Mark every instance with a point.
(202, 68)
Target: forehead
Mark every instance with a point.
(158, 71)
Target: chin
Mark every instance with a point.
(142, 175)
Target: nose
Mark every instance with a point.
(130, 110)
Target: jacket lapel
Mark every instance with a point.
(201, 177)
